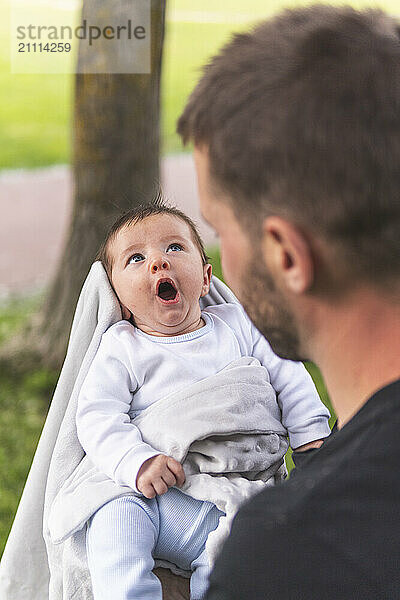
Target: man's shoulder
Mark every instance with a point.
(337, 510)
(331, 531)
(351, 469)
(290, 501)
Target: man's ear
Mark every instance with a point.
(207, 272)
(288, 255)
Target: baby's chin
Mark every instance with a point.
(171, 327)
(165, 330)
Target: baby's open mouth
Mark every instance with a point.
(166, 290)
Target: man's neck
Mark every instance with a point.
(357, 348)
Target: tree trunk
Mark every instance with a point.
(115, 165)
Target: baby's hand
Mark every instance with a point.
(314, 444)
(159, 473)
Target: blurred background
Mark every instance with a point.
(42, 129)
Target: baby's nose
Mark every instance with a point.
(159, 264)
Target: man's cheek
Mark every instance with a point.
(230, 269)
(224, 263)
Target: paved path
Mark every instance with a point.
(35, 207)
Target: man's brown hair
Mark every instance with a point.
(139, 213)
(301, 118)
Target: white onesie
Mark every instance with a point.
(132, 369)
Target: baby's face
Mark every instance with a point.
(159, 276)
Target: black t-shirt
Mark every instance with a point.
(332, 531)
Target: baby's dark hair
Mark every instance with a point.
(139, 213)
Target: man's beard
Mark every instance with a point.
(269, 311)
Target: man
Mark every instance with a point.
(296, 127)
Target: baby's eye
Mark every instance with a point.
(135, 258)
(175, 247)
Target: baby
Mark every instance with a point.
(156, 263)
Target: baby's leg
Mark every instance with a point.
(200, 576)
(184, 527)
(120, 540)
(201, 568)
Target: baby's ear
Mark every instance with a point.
(207, 272)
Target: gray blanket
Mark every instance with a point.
(33, 567)
(226, 430)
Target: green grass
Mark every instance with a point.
(36, 110)
(214, 258)
(24, 399)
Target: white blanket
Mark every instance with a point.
(33, 567)
(226, 430)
